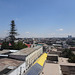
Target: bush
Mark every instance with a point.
(16, 46)
(5, 45)
(72, 59)
(68, 54)
(19, 46)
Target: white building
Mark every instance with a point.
(29, 55)
(12, 67)
(18, 63)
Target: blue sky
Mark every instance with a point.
(38, 18)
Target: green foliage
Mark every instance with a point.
(72, 59)
(5, 45)
(20, 45)
(15, 46)
(68, 54)
(12, 35)
(12, 32)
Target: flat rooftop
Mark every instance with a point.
(26, 51)
(51, 69)
(64, 61)
(4, 51)
(55, 69)
(9, 63)
(52, 55)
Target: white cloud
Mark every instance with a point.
(52, 34)
(60, 29)
(27, 32)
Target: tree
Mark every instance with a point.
(12, 32)
(11, 44)
(72, 59)
(19, 45)
(67, 53)
(5, 45)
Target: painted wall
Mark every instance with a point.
(19, 71)
(33, 56)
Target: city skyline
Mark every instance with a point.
(38, 18)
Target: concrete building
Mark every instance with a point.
(66, 67)
(52, 58)
(12, 67)
(69, 36)
(29, 55)
(56, 52)
(51, 69)
(57, 45)
(7, 52)
(4, 52)
(18, 62)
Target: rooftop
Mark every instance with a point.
(51, 69)
(54, 69)
(4, 51)
(64, 61)
(52, 55)
(26, 51)
(6, 63)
